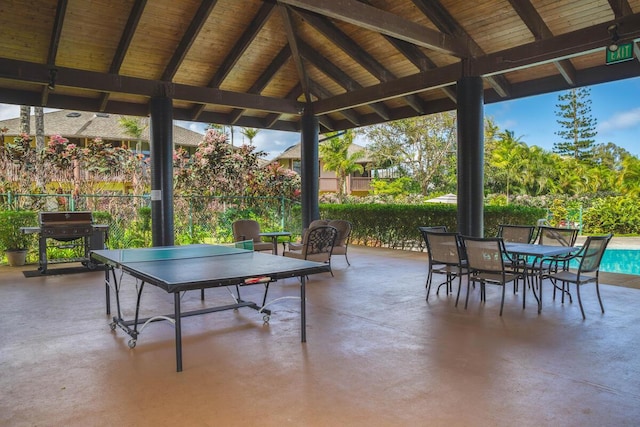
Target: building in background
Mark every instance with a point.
(358, 184)
(81, 127)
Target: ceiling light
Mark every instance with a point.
(52, 78)
(613, 31)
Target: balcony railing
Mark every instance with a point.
(353, 184)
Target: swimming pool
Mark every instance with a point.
(626, 261)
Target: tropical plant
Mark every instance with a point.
(509, 157)
(11, 236)
(336, 157)
(250, 133)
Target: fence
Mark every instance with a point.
(197, 219)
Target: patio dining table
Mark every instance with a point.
(539, 254)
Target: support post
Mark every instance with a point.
(310, 168)
(161, 132)
(470, 156)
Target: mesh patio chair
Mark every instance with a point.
(589, 257)
(434, 228)
(318, 245)
(248, 229)
(485, 257)
(445, 257)
(552, 236)
(557, 236)
(516, 234)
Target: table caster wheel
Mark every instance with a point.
(112, 325)
(132, 343)
(266, 318)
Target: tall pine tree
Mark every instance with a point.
(578, 127)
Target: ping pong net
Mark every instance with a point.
(168, 253)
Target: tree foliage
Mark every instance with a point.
(419, 147)
(337, 158)
(578, 127)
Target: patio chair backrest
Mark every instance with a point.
(485, 254)
(516, 233)
(591, 253)
(246, 229)
(433, 229)
(344, 231)
(320, 241)
(556, 236)
(443, 248)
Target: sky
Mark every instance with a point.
(615, 106)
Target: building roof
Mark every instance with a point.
(263, 63)
(79, 124)
(294, 152)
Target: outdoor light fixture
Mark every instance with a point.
(52, 78)
(613, 30)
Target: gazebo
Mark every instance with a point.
(309, 66)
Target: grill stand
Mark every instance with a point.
(68, 230)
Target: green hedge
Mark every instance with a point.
(396, 226)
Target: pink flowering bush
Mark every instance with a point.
(60, 152)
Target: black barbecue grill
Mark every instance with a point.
(68, 230)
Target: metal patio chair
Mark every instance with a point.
(589, 257)
(318, 245)
(445, 257)
(485, 257)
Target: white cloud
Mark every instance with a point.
(8, 111)
(274, 142)
(619, 121)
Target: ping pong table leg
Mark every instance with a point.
(176, 304)
(106, 288)
(303, 309)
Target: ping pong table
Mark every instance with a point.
(176, 269)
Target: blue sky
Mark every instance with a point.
(615, 106)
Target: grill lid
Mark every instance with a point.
(62, 219)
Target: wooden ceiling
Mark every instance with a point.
(261, 63)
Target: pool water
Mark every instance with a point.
(626, 261)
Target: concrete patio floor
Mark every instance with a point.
(377, 355)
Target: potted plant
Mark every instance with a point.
(13, 241)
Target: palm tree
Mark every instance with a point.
(25, 125)
(335, 156)
(38, 113)
(508, 157)
(629, 179)
(250, 133)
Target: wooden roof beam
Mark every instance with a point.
(446, 23)
(238, 49)
(620, 8)
(420, 60)
(287, 21)
(123, 45)
(189, 36)
(281, 58)
(339, 76)
(321, 93)
(380, 21)
(58, 22)
(360, 56)
(103, 82)
(539, 29)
